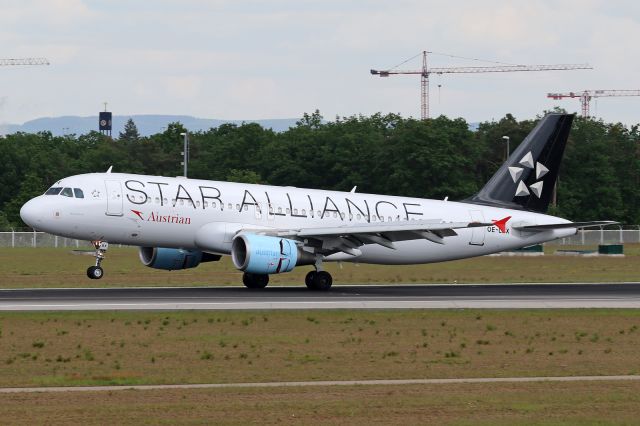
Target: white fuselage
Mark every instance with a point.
(160, 211)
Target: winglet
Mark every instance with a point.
(353, 190)
(109, 169)
(502, 223)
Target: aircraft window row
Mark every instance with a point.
(66, 192)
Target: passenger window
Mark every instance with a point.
(67, 192)
(53, 191)
(304, 212)
(79, 193)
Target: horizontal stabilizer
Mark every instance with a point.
(540, 228)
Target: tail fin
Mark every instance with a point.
(527, 179)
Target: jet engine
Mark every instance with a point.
(260, 254)
(171, 259)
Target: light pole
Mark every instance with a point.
(506, 138)
(185, 152)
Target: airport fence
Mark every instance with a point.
(587, 237)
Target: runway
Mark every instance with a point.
(446, 296)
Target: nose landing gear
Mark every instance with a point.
(96, 272)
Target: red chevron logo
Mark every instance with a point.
(502, 224)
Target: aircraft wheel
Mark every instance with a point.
(310, 279)
(322, 281)
(255, 280)
(95, 272)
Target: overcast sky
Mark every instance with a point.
(278, 59)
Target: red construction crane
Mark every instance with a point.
(586, 96)
(425, 72)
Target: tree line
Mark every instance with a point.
(383, 154)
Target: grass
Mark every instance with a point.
(498, 403)
(48, 267)
(99, 348)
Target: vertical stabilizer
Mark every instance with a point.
(526, 180)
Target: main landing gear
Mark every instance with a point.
(255, 280)
(96, 272)
(318, 280)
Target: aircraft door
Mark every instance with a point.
(114, 198)
(477, 234)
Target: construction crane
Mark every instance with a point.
(586, 96)
(24, 61)
(425, 72)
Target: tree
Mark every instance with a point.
(243, 176)
(130, 133)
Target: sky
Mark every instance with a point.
(281, 58)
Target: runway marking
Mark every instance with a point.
(391, 382)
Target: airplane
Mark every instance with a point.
(178, 222)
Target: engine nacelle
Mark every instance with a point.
(171, 259)
(260, 254)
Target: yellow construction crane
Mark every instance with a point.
(425, 71)
(586, 96)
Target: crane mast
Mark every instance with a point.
(586, 95)
(425, 72)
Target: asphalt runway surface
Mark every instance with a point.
(416, 296)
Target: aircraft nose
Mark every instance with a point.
(30, 213)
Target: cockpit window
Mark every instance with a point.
(55, 190)
(67, 192)
(78, 192)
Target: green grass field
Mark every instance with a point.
(476, 404)
(93, 348)
(97, 348)
(44, 267)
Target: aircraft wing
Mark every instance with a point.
(348, 238)
(540, 228)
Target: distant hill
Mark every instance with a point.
(147, 124)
